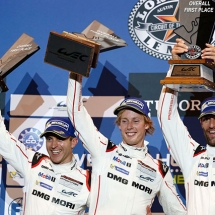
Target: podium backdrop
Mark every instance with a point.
(37, 90)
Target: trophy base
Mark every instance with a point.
(191, 76)
(192, 84)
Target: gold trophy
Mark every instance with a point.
(191, 73)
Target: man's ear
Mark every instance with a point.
(146, 126)
(74, 142)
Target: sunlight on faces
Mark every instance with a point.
(133, 127)
(60, 150)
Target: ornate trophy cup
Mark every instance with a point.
(20, 51)
(78, 52)
(191, 73)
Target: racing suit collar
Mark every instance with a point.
(64, 168)
(210, 150)
(132, 151)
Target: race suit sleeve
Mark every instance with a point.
(93, 140)
(178, 140)
(169, 198)
(13, 151)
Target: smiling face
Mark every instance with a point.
(208, 126)
(133, 128)
(60, 150)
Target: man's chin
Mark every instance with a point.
(212, 144)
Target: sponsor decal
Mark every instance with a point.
(45, 167)
(115, 158)
(206, 158)
(44, 185)
(15, 207)
(146, 178)
(58, 123)
(63, 203)
(133, 102)
(54, 200)
(146, 169)
(30, 137)
(204, 174)
(125, 182)
(45, 176)
(68, 193)
(117, 178)
(119, 169)
(120, 154)
(202, 165)
(141, 187)
(151, 25)
(204, 183)
(70, 183)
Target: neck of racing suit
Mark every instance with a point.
(132, 151)
(64, 168)
(210, 150)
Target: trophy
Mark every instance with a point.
(20, 51)
(78, 52)
(191, 73)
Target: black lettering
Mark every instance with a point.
(195, 182)
(46, 197)
(156, 46)
(148, 190)
(63, 52)
(110, 175)
(212, 183)
(146, 40)
(62, 202)
(56, 201)
(82, 57)
(134, 184)
(34, 192)
(75, 55)
(201, 183)
(169, 49)
(41, 195)
(141, 187)
(70, 205)
(117, 178)
(124, 181)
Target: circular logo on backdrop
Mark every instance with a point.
(151, 24)
(31, 138)
(15, 207)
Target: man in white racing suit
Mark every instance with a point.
(196, 162)
(125, 178)
(54, 185)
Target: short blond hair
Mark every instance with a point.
(147, 121)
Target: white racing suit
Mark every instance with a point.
(124, 179)
(196, 163)
(49, 189)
